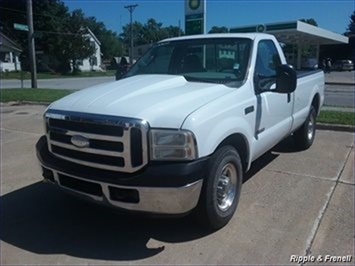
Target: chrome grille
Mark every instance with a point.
(113, 143)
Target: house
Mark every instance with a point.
(93, 63)
(9, 54)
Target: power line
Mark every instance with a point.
(13, 10)
(19, 12)
(59, 33)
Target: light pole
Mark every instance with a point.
(131, 9)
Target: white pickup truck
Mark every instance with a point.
(177, 133)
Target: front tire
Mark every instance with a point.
(305, 135)
(221, 189)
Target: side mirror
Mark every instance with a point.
(286, 79)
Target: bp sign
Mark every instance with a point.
(194, 4)
(195, 16)
(261, 28)
(193, 7)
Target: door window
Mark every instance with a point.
(267, 61)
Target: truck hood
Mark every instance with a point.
(162, 100)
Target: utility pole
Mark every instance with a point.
(31, 45)
(131, 9)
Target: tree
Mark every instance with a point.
(79, 46)
(13, 12)
(216, 29)
(351, 28)
(138, 34)
(150, 32)
(51, 18)
(61, 35)
(173, 31)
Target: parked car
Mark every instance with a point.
(343, 65)
(310, 64)
(178, 132)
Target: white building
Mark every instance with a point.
(9, 54)
(93, 63)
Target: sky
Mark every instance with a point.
(331, 15)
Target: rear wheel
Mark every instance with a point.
(221, 189)
(305, 135)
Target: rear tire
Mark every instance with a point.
(304, 136)
(221, 189)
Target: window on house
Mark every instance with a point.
(4, 57)
(79, 62)
(93, 61)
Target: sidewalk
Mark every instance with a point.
(340, 78)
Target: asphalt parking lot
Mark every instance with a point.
(292, 203)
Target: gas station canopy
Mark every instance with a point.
(296, 32)
(298, 35)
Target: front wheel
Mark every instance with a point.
(221, 189)
(305, 135)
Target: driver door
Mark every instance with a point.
(274, 110)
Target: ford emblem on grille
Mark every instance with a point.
(80, 141)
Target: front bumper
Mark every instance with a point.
(165, 188)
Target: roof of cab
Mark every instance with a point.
(217, 35)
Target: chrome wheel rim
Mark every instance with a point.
(226, 187)
(310, 128)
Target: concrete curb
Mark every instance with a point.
(340, 83)
(335, 127)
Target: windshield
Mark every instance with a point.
(215, 60)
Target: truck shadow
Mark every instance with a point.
(41, 219)
(288, 145)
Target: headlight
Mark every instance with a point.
(172, 145)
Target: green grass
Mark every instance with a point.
(27, 75)
(32, 95)
(336, 117)
(50, 95)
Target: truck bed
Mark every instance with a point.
(304, 73)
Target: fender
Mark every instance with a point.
(210, 134)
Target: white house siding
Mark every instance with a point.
(85, 65)
(9, 54)
(9, 62)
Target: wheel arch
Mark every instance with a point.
(316, 102)
(240, 143)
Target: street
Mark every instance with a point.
(339, 95)
(63, 83)
(293, 203)
(335, 94)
